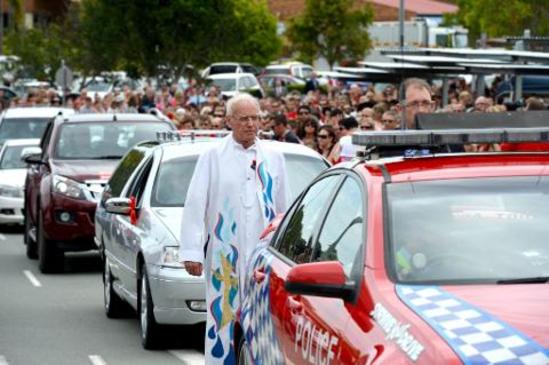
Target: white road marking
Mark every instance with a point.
(3, 360)
(189, 357)
(97, 360)
(2, 238)
(34, 281)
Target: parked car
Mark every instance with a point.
(232, 84)
(63, 183)
(138, 223)
(297, 69)
(229, 67)
(287, 82)
(13, 171)
(24, 123)
(419, 259)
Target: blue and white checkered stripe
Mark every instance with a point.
(476, 336)
(256, 317)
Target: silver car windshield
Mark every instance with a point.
(106, 140)
(470, 230)
(174, 176)
(11, 158)
(18, 128)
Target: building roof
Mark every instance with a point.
(423, 7)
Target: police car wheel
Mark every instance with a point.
(244, 357)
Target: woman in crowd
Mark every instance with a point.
(327, 143)
(308, 133)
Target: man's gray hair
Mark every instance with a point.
(241, 98)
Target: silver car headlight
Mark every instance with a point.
(170, 257)
(68, 187)
(10, 191)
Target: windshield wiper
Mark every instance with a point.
(108, 157)
(531, 280)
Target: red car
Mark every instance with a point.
(66, 176)
(434, 259)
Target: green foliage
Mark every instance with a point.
(332, 29)
(150, 37)
(503, 18)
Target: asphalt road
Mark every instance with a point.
(59, 319)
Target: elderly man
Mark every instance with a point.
(237, 189)
(482, 103)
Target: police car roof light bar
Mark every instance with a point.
(450, 136)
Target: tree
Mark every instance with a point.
(499, 18)
(169, 35)
(333, 29)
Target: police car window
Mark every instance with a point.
(481, 229)
(297, 241)
(342, 232)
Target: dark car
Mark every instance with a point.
(64, 181)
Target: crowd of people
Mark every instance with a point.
(323, 118)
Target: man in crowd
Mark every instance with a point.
(281, 130)
(349, 125)
(417, 100)
(237, 189)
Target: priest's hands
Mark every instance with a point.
(193, 268)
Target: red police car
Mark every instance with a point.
(430, 259)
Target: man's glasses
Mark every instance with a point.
(419, 104)
(388, 121)
(248, 118)
(366, 127)
(303, 113)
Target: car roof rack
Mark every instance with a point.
(191, 135)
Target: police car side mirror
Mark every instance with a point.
(323, 279)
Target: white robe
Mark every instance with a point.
(233, 195)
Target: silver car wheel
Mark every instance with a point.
(144, 314)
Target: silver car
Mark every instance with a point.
(137, 228)
(13, 171)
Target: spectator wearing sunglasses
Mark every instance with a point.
(308, 133)
(389, 121)
(327, 143)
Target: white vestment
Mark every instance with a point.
(233, 195)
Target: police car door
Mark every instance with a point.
(309, 327)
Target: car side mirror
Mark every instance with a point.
(32, 155)
(323, 279)
(118, 206)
